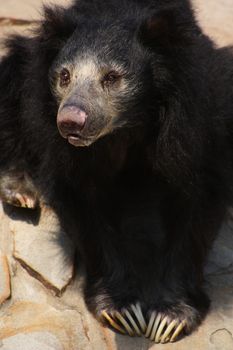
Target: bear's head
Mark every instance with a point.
(113, 70)
(102, 79)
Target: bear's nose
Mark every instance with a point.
(71, 120)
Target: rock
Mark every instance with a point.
(44, 251)
(220, 262)
(220, 337)
(216, 19)
(32, 341)
(5, 289)
(26, 9)
(58, 327)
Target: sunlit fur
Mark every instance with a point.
(145, 197)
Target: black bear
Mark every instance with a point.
(120, 114)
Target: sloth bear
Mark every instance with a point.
(120, 115)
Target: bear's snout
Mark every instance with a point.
(71, 121)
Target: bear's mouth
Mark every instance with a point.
(78, 140)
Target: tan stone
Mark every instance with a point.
(44, 250)
(216, 17)
(220, 337)
(5, 288)
(26, 9)
(32, 341)
(67, 327)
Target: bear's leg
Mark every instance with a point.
(152, 300)
(17, 189)
(144, 277)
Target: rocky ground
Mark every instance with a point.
(40, 295)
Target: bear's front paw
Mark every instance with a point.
(159, 326)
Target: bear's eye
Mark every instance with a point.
(64, 77)
(110, 78)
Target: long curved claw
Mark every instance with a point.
(112, 322)
(166, 336)
(124, 323)
(133, 323)
(138, 313)
(150, 324)
(160, 329)
(156, 324)
(178, 331)
(24, 201)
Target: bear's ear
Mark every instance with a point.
(58, 25)
(167, 28)
(50, 36)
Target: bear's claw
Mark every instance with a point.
(160, 328)
(112, 322)
(24, 201)
(126, 322)
(137, 310)
(17, 189)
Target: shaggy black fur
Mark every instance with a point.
(144, 202)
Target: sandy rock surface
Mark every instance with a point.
(41, 305)
(26, 9)
(5, 287)
(45, 251)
